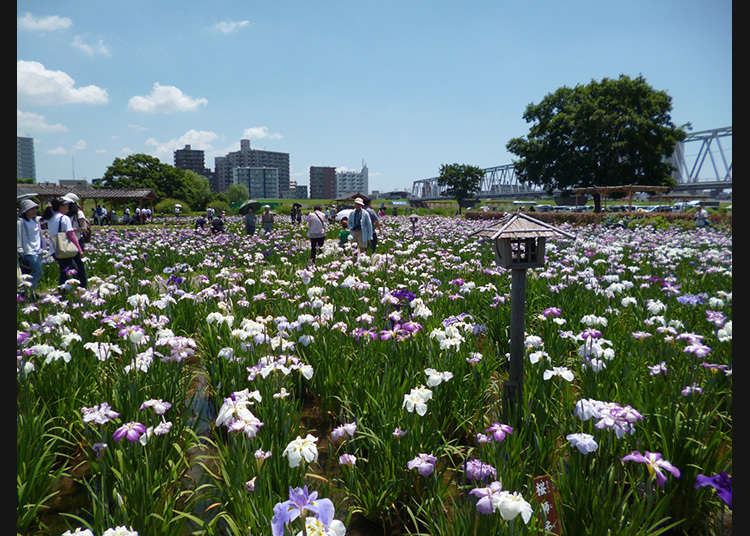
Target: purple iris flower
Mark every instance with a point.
(551, 311)
(654, 463)
(425, 464)
(498, 431)
(479, 471)
(690, 299)
(131, 431)
(721, 482)
(299, 501)
(487, 497)
(403, 295)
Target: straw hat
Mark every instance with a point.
(73, 198)
(359, 201)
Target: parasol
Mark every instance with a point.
(344, 214)
(249, 204)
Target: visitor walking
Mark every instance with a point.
(81, 224)
(266, 220)
(701, 218)
(375, 225)
(29, 244)
(316, 232)
(250, 222)
(71, 267)
(360, 225)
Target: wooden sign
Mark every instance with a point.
(546, 496)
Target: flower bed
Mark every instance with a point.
(218, 384)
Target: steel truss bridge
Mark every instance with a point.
(692, 171)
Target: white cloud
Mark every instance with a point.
(31, 122)
(165, 99)
(228, 27)
(57, 150)
(100, 151)
(39, 85)
(259, 133)
(100, 48)
(80, 145)
(137, 127)
(125, 151)
(197, 139)
(43, 24)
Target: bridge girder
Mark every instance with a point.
(502, 180)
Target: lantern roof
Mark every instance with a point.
(520, 225)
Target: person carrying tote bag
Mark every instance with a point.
(60, 224)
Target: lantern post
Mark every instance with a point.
(518, 242)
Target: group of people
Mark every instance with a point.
(215, 223)
(101, 216)
(63, 217)
(362, 224)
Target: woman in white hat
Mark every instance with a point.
(60, 223)
(29, 243)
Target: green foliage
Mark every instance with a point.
(237, 193)
(167, 206)
(219, 205)
(25, 181)
(462, 180)
(199, 190)
(606, 133)
(145, 171)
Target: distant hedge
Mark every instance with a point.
(607, 218)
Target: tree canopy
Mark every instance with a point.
(237, 193)
(462, 180)
(607, 133)
(145, 171)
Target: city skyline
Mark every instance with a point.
(404, 87)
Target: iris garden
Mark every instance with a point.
(218, 384)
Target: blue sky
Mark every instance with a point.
(405, 86)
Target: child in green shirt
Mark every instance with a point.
(343, 233)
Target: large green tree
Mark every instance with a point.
(237, 193)
(199, 190)
(607, 133)
(462, 180)
(145, 171)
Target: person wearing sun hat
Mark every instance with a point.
(78, 218)
(60, 223)
(29, 243)
(360, 224)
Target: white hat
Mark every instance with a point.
(26, 205)
(266, 206)
(359, 201)
(73, 198)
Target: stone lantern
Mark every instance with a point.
(518, 241)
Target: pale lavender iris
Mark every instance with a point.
(489, 497)
(424, 463)
(300, 500)
(654, 463)
(585, 443)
